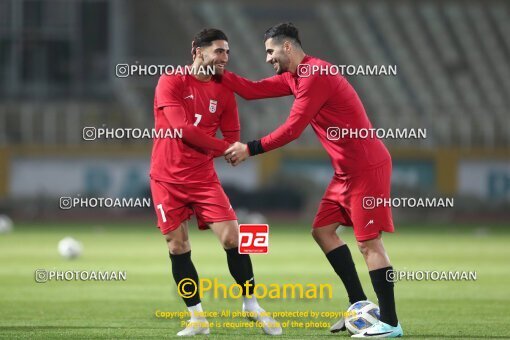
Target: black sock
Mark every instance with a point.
(384, 290)
(341, 260)
(241, 269)
(183, 268)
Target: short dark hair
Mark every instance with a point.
(205, 38)
(283, 30)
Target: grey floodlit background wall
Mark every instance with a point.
(57, 76)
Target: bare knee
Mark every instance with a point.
(227, 233)
(229, 236)
(374, 253)
(323, 234)
(177, 246)
(363, 248)
(326, 238)
(316, 235)
(370, 247)
(229, 240)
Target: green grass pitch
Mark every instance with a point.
(461, 310)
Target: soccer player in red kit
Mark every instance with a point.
(183, 178)
(362, 166)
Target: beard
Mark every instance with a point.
(207, 65)
(283, 66)
(218, 71)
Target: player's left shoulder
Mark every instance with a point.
(223, 92)
(319, 74)
(218, 83)
(219, 98)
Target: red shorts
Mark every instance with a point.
(175, 203)
(349, 201)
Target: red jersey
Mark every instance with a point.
(199, 108)
(324, 101)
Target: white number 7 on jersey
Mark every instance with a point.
(199, 118)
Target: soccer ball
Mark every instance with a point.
(5, 224)
(361, 315)
(69, 248)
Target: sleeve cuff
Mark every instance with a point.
(255, 147)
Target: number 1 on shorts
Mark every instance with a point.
(163, 217)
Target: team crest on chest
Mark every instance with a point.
(212, 105)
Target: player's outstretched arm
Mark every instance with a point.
(312, 95)
(284, 134)
(271, 87)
